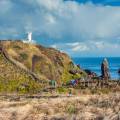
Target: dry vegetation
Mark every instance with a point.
(82, 107)
(85, 104)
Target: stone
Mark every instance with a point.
(105, 70)
(119, 71)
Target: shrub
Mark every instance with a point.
(66, 76)
(105, 90)
(62, 90)
(71, 109)
(23, 56)
(17, 47)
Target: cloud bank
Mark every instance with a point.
(81, 29)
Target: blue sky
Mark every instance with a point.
(103, 2)
(82, 28)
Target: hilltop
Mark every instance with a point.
(29, 67)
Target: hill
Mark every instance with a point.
(29, 67)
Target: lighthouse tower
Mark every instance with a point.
(29, 37)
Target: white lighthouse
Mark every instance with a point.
(29, 37)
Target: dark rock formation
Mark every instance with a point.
(74, 72)
(90, 73)
(105, 70)
(119, 71)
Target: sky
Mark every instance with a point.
(81, 28)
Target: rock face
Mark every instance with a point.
(119, 73)
(105, 69)
(46, 63)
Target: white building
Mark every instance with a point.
(29, 38)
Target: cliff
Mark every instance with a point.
(31, 66)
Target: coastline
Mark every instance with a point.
(94, 64)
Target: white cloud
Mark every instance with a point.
(73, 44)
(89, 48)
(53, 46)
(74, 47)
(79, 21)
(81, 27)
(80, 48)
(99, 45)
(5, 6)
(77, 46)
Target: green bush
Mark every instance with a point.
(17, 47)
(23, 56)
(62, 90)
(71, 109)
(66, 76)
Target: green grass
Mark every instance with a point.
(66, 76)
(71, 109)
(13, 79)
(62, 90)
(17, 47)
(23, 56)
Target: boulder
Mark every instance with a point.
(74, 72)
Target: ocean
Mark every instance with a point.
(94, 64)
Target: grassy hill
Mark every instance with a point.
(28, 67)
(15, 79)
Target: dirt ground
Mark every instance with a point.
(82, 107)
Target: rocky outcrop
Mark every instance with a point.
(105, 70)
(74, 72)
(119, 71)
(90, 73)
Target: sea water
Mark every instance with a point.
(94, 64)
